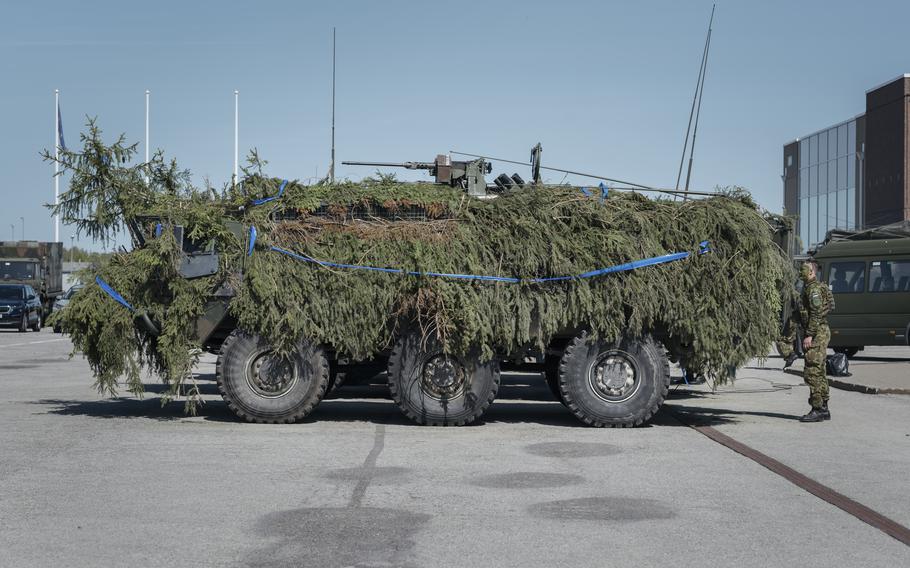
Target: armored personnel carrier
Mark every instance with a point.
(446, 284)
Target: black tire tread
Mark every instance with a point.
(300, 414)
(393, 369)
(630, 421)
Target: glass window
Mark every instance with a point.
(812, 217)
(842, 210)
(790, 160)
(804, 222)
(851, 208)
(841, 172)
(842, 140)
(804, 182)
(813, 180)
(822, 178)
(823, 147)
(851, 137)
(813, 149)
(804, 153)
(822, 216)
(851, 171)
(889, 276)
(832, 175)
(847, 277)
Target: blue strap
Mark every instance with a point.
(158, 229)
(703, 248)
(113, 293)
(274, 197)
(249, 250)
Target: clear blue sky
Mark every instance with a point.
(605, 86)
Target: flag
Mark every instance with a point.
(60, 141)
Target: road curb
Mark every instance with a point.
(865, 389)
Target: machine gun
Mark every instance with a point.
(467, 175)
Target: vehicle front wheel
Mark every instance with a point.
(438, 389)
(37, 324)
(618, 383)
(23, 323)
(260, 385)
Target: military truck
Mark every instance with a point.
(869, 274)
(36, 264)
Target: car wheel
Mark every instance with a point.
(37, 325)
(23, 323)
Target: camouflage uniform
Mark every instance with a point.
(784, 343)
(817, 301)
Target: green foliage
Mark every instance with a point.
(715, 310)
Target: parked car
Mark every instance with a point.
(20, 307)
(62, 301)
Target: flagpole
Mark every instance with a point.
(146, 130)
(332, 163)
(57, 163)
(236, 130)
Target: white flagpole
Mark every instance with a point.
(56, 163)
(146, 129)
(236, 136)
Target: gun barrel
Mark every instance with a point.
(407, 165)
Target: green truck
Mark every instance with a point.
(36, 264)
(869, 275)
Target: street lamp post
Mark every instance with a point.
(71, 247)
(23, 227)
(12, 231)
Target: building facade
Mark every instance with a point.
(853, 175)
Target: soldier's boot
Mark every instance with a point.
(790, 359)
(826, 414)
(814, 415)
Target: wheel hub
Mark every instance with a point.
(271, 376)
(614, 377)
(443, 377)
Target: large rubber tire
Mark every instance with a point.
(616, 402)
(23, 323)
(476, 383)
(247, 369)
(37, 326)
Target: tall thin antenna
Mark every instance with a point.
(699, 94)
(332, 163)
(236, 136)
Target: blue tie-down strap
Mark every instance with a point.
(703, 248)
(113, 293)
(274, 197)
(249, 250)
(158, 228)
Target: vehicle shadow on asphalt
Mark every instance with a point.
(520, 400)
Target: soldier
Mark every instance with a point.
(817, 301)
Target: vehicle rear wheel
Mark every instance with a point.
(260, 385)
(620, 383)
(850, 352)
(37, 326)
(438, 389)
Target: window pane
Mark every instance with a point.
(851, 170)
(842, 210)
(842, 140)
(889, 276)
(832, 175)
(841, 172)
(822, 178)
(851, 137)
(847, 277)
(851, 209)
(804, 222)
(812, 217)
(822, 216)
(813, 149)
(804, 182)
(804, 153)
(823, 146)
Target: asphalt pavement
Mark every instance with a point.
(91, 481)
